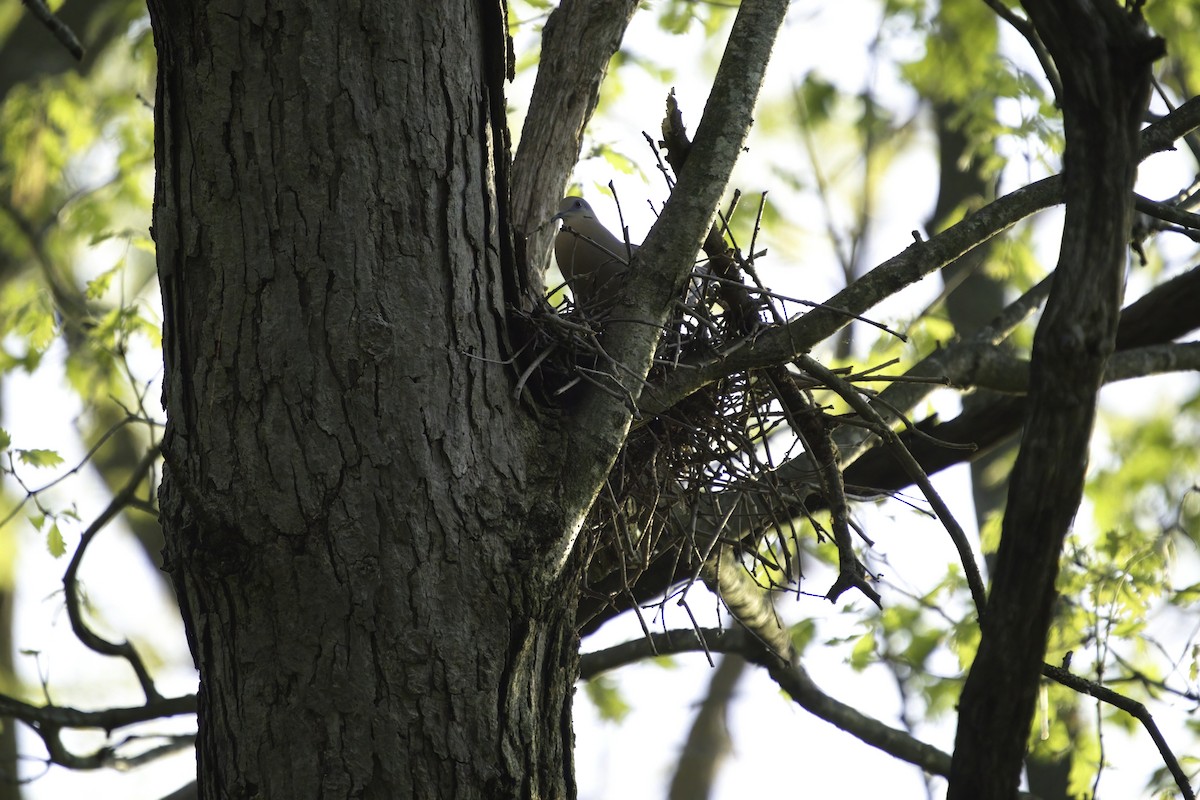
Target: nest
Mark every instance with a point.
(731, 433)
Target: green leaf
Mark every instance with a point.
(39, 458)
(863, 654)
(5, 439)
(54, 542)
(603, 692)
(97, 287)
(817, 97)
(802, 633)
(618, 161)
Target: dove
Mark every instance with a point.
(589, 256)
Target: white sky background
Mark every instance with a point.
(776, 744)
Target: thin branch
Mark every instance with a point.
(49, 721)
(1135, 710)
(56, 26)
(1166, 212)
(792, 678)
(70, 582)
(1025, 28)
(83, 462)
(913, 469)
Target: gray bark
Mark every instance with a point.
(347, 503)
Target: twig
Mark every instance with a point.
(83, 462)
(56, 26)
(1134, 709)
(910, 465)
(1025, 28)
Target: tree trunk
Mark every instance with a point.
(1104, 58)
(349, 500)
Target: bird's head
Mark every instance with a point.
(573, 209)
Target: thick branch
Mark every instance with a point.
(986, 367)
(1104, 60)
(600, 425)
(50, 721)
(781, 345)
(578, 42)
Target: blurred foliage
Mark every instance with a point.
(605, 694)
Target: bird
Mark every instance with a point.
(590, 257)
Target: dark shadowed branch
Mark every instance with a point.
(85, 634)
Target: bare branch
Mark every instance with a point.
(913, 470)
(792, 678)
(70, 582)
(1135, 710)
(57, 27)
(49, 722)
(1026, 29)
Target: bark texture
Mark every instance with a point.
(1103, 57)
(346, 501)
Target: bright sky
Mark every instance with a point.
(776, 744)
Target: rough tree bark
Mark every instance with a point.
(347, 504)
(1104, 57)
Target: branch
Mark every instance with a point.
(812, 428)
(913, 470)
(49, 721)
(747, 602)
(1166, 212)
(57, 27)
(781, 345)
(1163, 134)
(999, 372)
(600, 425)
(85, 634)
(83, 462)
(1104, 55)
(1026, 29)
(792, 678)
(1135, 710)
